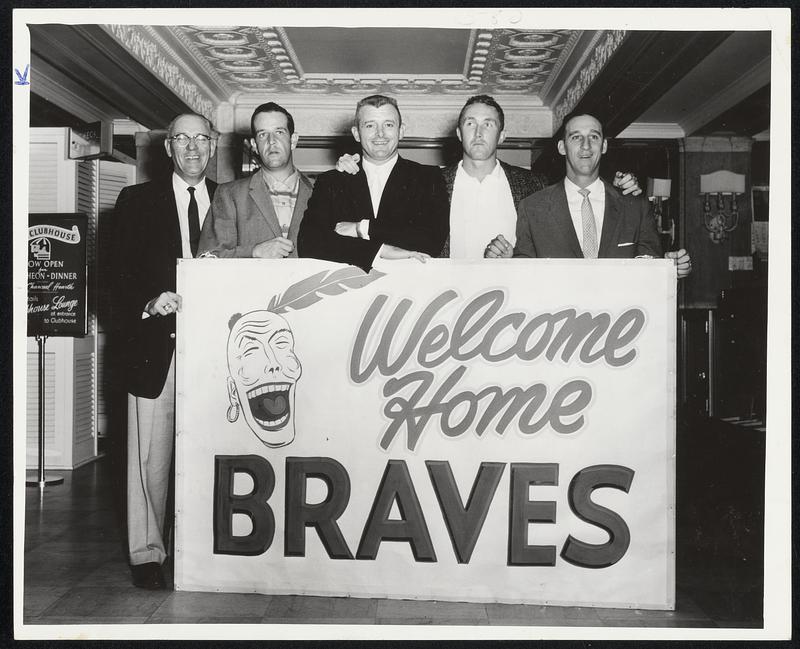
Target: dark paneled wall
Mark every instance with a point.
(710, 260)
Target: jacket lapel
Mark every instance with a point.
(262, 201)
(449, 175)
(611, 219)
(303, 194)
(363, 200)
(395, 186)
(562, 221)
(517, 193)
(172, 225)
(211, 187)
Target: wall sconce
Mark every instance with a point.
(721, 183)
(658, 190)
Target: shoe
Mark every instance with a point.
(148, 576)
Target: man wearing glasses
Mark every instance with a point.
(158, 222)
(260, 216)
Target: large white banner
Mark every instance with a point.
(495, 431)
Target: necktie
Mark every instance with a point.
(589, 226)
(194, 223)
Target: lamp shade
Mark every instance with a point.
(722, 182)
(658, 188)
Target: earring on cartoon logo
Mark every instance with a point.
(233, 410)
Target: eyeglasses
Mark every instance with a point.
(182, 140)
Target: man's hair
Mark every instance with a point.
(209, 125)
(562, 130)
(271, 107)
(486, 100)
(376, 101)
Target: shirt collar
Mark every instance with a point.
(495, 173)
(274, 183)
(180, 185)
(384, 170)
(594, 188)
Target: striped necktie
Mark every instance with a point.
(589, 226)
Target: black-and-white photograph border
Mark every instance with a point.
(459, 323)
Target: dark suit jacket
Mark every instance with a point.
(148, 246)
(242, 215)
(522, 182)
(413, 214)
(544, 226)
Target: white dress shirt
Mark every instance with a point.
(479, 211)
(377, 175)
(181, 187)
(597, 199)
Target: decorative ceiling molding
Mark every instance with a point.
(149, 73)
(193, 64)
(645, 65)
(568, 53)
(97, 68)
(263, 60)
(508, 61)
(160, 61)
(599, 56)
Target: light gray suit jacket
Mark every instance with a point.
(242, 216)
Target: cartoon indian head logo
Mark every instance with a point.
(263, 368)
(263, 372)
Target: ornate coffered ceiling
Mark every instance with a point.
(225, 71)
(644, 83)
(400, 61)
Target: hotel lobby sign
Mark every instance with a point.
(494, 432)
(57, 275)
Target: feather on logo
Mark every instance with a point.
(312, 289)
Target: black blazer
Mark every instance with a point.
(544, 226)
(148, 245)
(413, 214)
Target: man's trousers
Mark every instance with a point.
(151, 440)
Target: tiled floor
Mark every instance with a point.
(76, 572)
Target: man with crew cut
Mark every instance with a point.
(391, 208)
